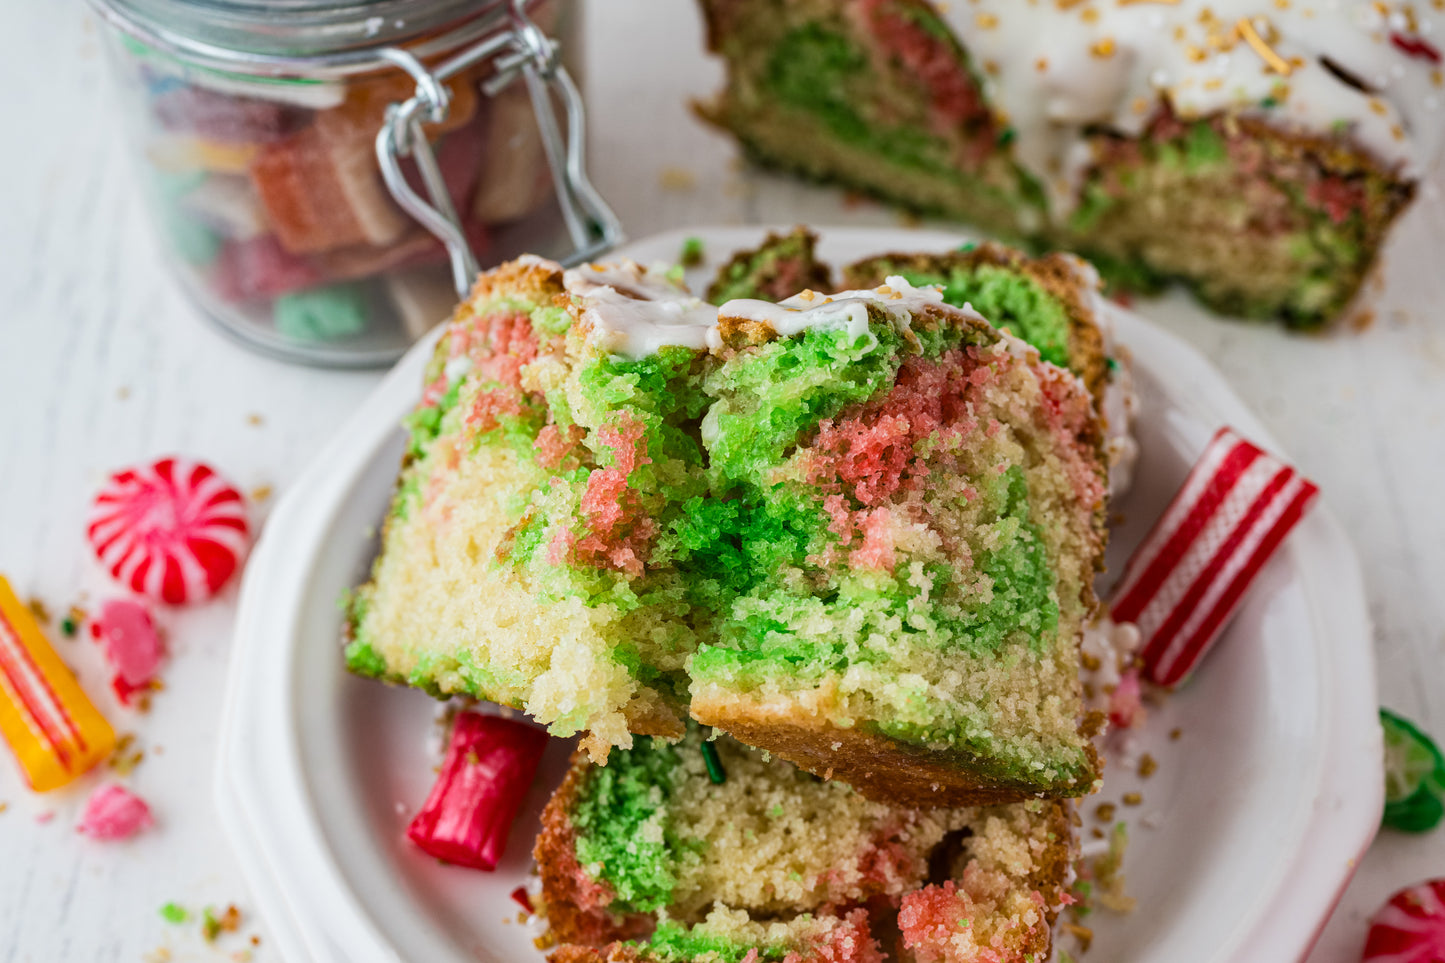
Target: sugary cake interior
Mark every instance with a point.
(894, 527)
(769, 855)
(879, 95)
(927, 524)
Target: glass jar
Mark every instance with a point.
(327, 176)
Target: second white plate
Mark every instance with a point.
(1246, 834)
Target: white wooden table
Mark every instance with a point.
(103, 364)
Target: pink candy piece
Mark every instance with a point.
(1125, 708)
(1410, 928)
(488, 769)
(1186, 579)
(173, 530)
(131, 645)
(113, 812)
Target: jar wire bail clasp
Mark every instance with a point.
(525, 51)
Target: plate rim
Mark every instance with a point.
(1308, 884)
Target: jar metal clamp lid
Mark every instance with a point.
(523, 51)
(311, 41)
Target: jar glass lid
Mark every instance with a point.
(248, 32)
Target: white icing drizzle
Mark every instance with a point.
(846, 310)
(632, 311)
(1053, 67)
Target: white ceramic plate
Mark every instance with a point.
(1259, 809)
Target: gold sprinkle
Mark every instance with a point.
(1213, 84)
(1090, 15)
(1437, 77)
(1069, 4)
(260, 493)
(1141, 105)
(1179, 33)
(546, 941)
(4, 806)
(1378, 106)
(1195, 54)
(1090, 661)
(1132, 799)
(1105, 812)
(987, 21)
(990, 67)
(122, 392)
(1251, 36)
(255, 420)
(1282, 4)
(1147, 766)
(1396, 132)
(1103, 48)
(1097, 833)
(1130, 3)
(1041, 64)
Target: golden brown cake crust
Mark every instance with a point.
(877, 766)
(556, 854)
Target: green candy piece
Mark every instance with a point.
(1414, 776)
(321, 314)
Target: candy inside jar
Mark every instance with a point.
(261, 163)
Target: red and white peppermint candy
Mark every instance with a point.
(1186, 579)
(173, 530)
(1410, 928)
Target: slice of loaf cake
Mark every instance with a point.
(858, 531)
(520, 561)
(1259, 152)
(905, 559)
(778, 268)
(650, 859)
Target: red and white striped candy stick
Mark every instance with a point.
(1186, 579)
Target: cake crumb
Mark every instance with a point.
(1083, 934)
(122, 393)
(126, 755)
(1362, 320)
(1132, 799)
(1105, 812)
(1147, 766)
(1175, 733)
(37, 608)
(676, 179)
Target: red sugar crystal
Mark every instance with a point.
(489, 766)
